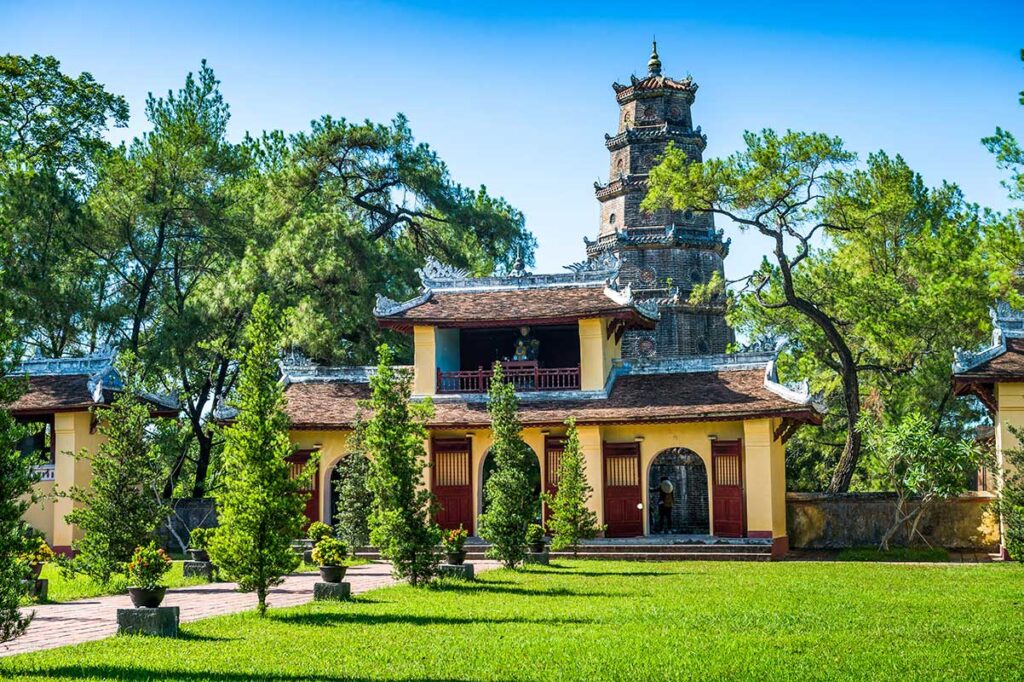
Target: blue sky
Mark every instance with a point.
(517, 95)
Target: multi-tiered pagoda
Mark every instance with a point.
(663, 253)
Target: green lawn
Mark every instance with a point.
(895, 554)
(607, 620)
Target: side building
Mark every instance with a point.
(713, 427)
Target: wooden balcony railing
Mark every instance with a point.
(525, 376)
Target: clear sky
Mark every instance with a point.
(517, 95)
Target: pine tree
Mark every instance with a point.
(400, 523)
(261, 510)
(508, 492)
(571, 520)
(121, 507)
(355, 500)
(16, 480)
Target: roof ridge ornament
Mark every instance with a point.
(434, 270)
(606, 262)
(386, 306)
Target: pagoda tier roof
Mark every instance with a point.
(450, 298)
(705, 392)
(652, 84)
(74, 385)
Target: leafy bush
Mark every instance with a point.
(572, 520)
(355, 499)
(330, 551)
(148, 566)
(534, 534)
(199, 538)
(39, 553)
(318, 530)
(454, 540)
(1011, 498)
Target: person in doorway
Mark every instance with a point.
(666, 500)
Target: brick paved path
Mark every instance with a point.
(57, 625)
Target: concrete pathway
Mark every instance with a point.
(74, 622)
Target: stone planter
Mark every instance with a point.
(36, 570)
(144, 598)
(537, 547)
(199, 554)
(456, 558)
(332, 574)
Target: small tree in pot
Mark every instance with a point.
(199, 542)
(145, 571)
(454, 542)
(535, 538)
(330, 553)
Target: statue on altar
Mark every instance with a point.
(526, 346)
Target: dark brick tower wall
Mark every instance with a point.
(664, 253)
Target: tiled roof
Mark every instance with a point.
(1007, 365)
(55, 393)
(507, 306)
(678, 397)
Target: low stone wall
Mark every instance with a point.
(186, 514)
(820, 521)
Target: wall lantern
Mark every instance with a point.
(640, 505)
(712, 436)
(638, 439)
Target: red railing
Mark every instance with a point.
(524, 376)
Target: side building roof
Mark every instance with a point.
(976, 373)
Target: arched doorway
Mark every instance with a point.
(678, 476)
(533, 464)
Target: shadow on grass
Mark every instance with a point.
(482, 587)
(139, 672)
(332, 619)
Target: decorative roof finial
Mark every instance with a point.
(654, 63)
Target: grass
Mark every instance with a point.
(894, 554)
(596, 620)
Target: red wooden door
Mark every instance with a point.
(453, 483)
(310, 482)
(553, 449)
(727, 488)
(622, 513)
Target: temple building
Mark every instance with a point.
(995, 375)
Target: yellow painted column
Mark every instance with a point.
(1010, 412)
(590, 446)
(63, 477)
(425, 361)
(764, 476)
(592, 374)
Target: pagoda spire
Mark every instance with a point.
(654, 63)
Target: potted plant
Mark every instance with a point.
(535, 538)
(317, 531)
(145, 571)
(453, 542)
(199, 542)
(329, 554)
(36, 557)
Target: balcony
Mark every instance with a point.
(524, 376)
(45, 472)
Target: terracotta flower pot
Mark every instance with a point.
(456, 558)
(199, 554)
(332, 574)
(146, 598)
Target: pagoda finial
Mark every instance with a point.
(654, 63)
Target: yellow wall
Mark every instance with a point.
(1010, 399)
(597, 352)
(71, 434)
(425, 359)
(763, 460)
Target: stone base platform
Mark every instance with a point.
(460, 571)
(159, 622)
(331, 591)
(37, 588)
(198, 569)
(539, 558)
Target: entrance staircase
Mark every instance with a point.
(644, 549)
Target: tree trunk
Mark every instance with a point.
(843, 473)
(205, 442)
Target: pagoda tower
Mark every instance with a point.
(663, 253)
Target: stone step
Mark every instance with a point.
(662, 556)
(640, 552)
